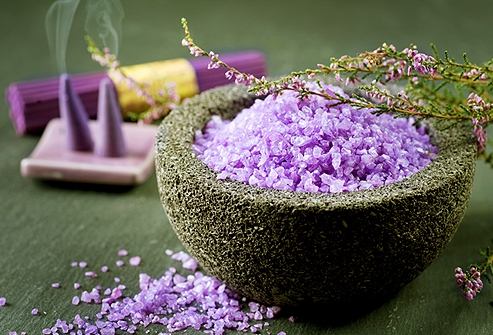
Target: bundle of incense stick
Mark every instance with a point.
(34, 103)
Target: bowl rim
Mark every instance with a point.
(456, 151)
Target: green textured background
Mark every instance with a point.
(43, 226)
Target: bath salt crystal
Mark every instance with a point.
(75, 300)
(172, 302)
(90, 274)
(122, 253)
(134, 261)
(313, 145)
(3, 302)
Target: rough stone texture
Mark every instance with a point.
(292, 248)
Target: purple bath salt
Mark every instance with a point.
(122, 252)
(171, 303)
(134, 261)
(90, 274)
(313, 145)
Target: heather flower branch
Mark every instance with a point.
(437, 87)
(159, 106)
(469, 282)
(216, 62)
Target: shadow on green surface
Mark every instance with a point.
(334, 316)
(101, 188)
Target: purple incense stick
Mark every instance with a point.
(34, 103)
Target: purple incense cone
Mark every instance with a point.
(111, 142)
(74, 116)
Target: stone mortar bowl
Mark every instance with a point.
(291, 248)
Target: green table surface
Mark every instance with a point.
(44, 226)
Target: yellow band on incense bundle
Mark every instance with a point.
(157, 75)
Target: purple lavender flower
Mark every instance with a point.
(214, 63)
(422, 63)
(476, 103)
(396, 69)
(469, 282)
(480, 134)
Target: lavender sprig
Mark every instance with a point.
(437, 87)
(159, 106)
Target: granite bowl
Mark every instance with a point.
(291, 248)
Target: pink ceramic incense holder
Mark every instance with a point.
(106, 151)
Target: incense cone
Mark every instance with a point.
(111, 142)
(74, 116)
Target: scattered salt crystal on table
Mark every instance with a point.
(82, 264)
(119, 263)
(34, 312)
(75, 300)
(104, 268)
(122, 253)
(76, 286)
(3, 302)
(90, 274)
(134, 261)
(312, 145)
(174, 301)
(187, 261)
(55, 285)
